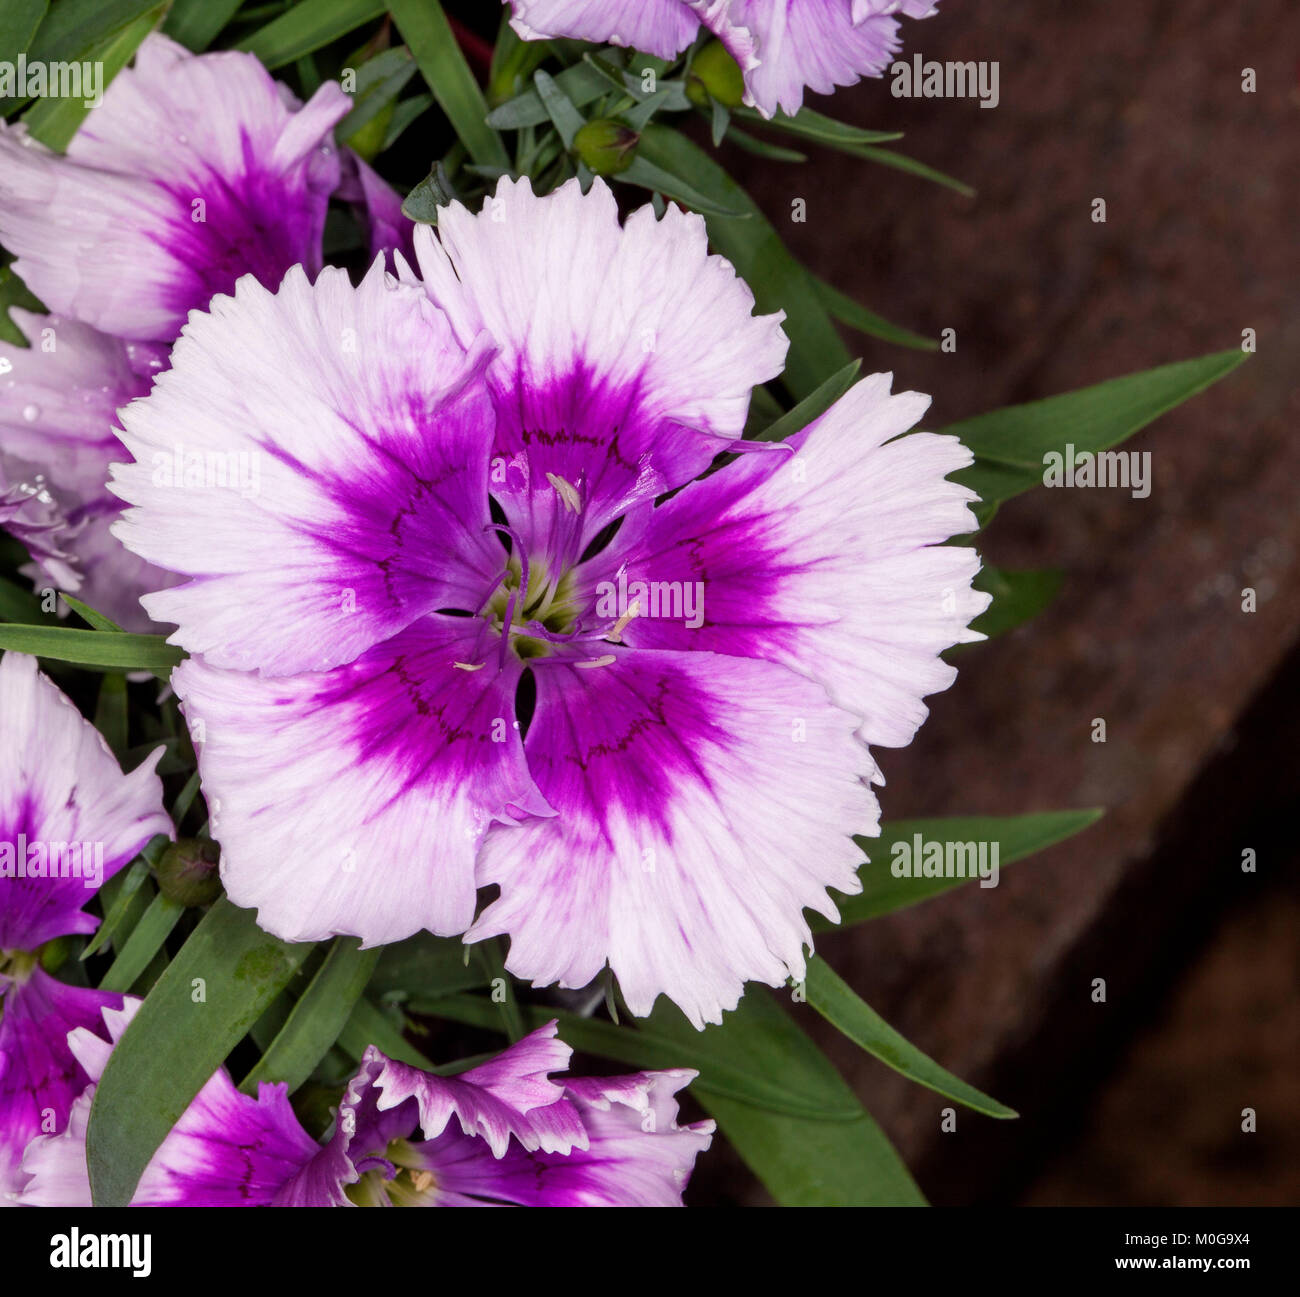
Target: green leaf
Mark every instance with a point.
(566, 119)
(145, 941)
(1017, 836)
(847, 311)
(433, 193)
(13, 292)
(77, 31)
(111, 713)
(648, 175)
(813, 126)
(841, 1006)
(379, 81)
(92, 647)
(19, 20)
(185, 798)
(1017, 596)
(426, 965)
(178, 1039)
(581, 84)
(803, 1162)
(22, 606)
(96, 620)
(1010, 443)
(196, 23)
(753, 246)
(425, 29)
(317, 1019)
(1090, 418)
(901, 162)
(367, 1025)
(762, 148)
(306, 27)
(406, 112)
(55, 121)
(812, 406)
(124, 902)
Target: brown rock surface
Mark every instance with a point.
(1142, 104)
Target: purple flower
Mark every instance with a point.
(193, 171)
(69, 819)
(502, 1132)
(690, 777)
(782, 46)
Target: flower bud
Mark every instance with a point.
(607, 147)
(187, 872)
(715, 74)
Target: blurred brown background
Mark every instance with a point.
(1139, 1100)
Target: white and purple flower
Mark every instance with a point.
(674, 798)
(195, 170)
(69, 819)
(783, 47)
(503, 1132)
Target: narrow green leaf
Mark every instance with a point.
(566, 119)
(762, 148)
(812, 406)
(813, 126)
(719, 120)
(317, 1019)
(19, 20)
(1017, 836)
(143, 944)
(847, 311)
(379, 81)
(649, 175)
(124, 902)
(185, 798)
(55, 121)
(367, 1025)
(22, 606)
(306, 27)
(196, 23)
(844, 1009)
(110, 712)
(92, 647)
(78, 31)
(13, 292)
(426, 965)
(581, 84)
(425, 29)
(96, 620)
(803, 1162)
(1017, 596)
(901, 162)
(213, 990)
(753, 246)
(406, 111)
(1089, 418)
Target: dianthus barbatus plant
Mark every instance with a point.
(686, 786)
(69, 820)
(505, 1131)
(782, 47)
(192, 172)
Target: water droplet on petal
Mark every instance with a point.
(31, 413)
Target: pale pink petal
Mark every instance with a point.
(316, 461)
(703, 802)
(353, 801)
